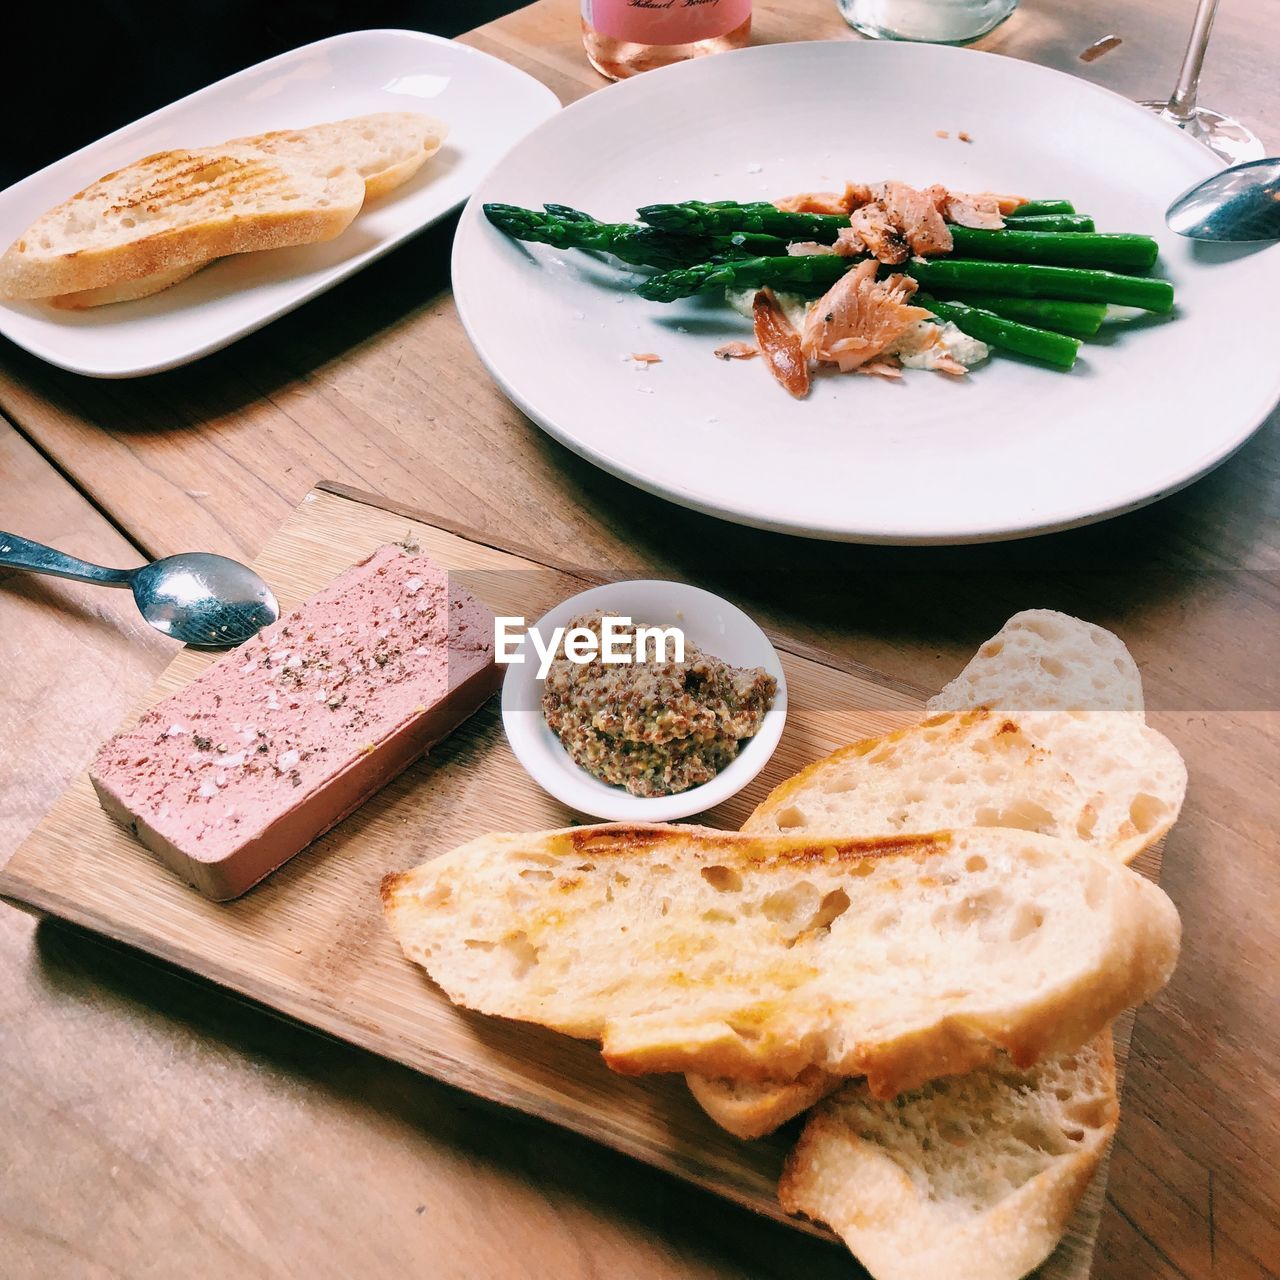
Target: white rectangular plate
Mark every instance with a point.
(488, 105)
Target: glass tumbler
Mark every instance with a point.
(934, 21)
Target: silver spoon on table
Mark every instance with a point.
(1238, 205)
(197, 598)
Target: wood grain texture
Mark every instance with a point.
(376, 385)
(310, 942)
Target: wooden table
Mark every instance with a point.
(154, 1127)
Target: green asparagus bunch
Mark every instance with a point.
(1035, 287)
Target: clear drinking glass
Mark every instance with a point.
(934, 21)
(1226, 137)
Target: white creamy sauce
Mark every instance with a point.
(793, 305)
(916, 354)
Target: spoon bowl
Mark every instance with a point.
(198, 598)
(203, 599)
(1239, 205)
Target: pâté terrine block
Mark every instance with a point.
(283, 737)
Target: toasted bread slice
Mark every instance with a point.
(973, 768)
(1041, 660)
(974, 1178)
(385, 149)
(1102, 777)
(177, 209)
(685, 949)
(752, 1108)
(126, 291)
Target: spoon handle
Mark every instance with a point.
(34, 557)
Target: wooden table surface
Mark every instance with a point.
(154, 1127)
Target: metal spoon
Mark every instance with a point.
(197, 598)
(1241, 203)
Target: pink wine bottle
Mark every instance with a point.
(623, 37)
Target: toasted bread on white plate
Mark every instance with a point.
(126, 290)
(968, 1178)
(177, 209)
(386, 149)
(686, 949)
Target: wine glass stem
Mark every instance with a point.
(1182, 105)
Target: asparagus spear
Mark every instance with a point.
(638, 245)
(1053, 222)
(1079, 319)
(568, 213)
(1024, 280)
(1066, 249)
(1034, 208)
(1029, 280)
(719, 216)
(569, 228)
(1078, 248)
(1053, 348)
(805, 273)
(725, 216)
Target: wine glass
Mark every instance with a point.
(1224, 136)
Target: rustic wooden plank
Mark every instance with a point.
(310, 942)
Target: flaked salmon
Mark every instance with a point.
(982, 211)
(854, 195)
(780, 344)
(882, 367)
(916, 215)
(860, 318)
(878, 233)
(1006, 204)
(735, 350)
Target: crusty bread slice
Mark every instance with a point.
(752, 1108)
(385, 149)
(177, 209)
(969, 1178)
(1041, 660)
(126, 290)
(1054, 767)
(1103, 777)
(685, 949)
(964, 769)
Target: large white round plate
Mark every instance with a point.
(1012, 449)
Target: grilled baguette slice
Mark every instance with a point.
(1102, 777)
(385, 149)
(177, 209)
(1053, 765)
(126, 290)
(974, 1178)
(685, 949)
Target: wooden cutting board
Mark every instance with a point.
(310, 941)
